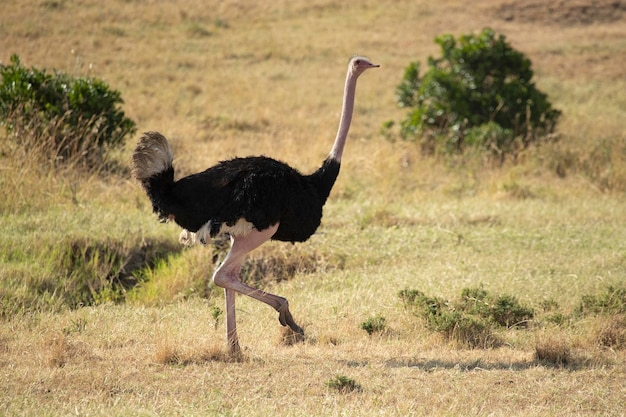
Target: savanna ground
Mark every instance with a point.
(229, 78)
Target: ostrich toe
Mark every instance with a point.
(286, 319)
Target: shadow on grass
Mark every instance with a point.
(97, 265)
(80, 271)
(431, 365)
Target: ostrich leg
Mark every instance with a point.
(231, 323)
(227, 276)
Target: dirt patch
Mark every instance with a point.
(564, 12)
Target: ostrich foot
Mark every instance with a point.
(289, 338)
(286, 319)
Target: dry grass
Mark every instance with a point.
(167, 361)
(554, 350)
(236, 78)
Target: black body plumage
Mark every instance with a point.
(259, 189)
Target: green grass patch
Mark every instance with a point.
(343, 384)
(74, 272)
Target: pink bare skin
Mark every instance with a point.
(227, 277)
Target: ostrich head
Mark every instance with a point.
(358, 64)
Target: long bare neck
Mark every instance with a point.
(346, 117)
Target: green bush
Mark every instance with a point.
(453, 323)
(472, 318)
(343, 384)
(477, 318)
(65, 118)
(376, 324)
(475, 301)
(611, 301)
(479, 93)
(507, 311)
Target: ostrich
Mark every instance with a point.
(252, 199)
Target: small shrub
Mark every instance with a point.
(507, 311)
(611, 306)
(451, 322)
(434, 310)
(557, 318)
(476, 318)
(65, 118)
(409, 297)
(474, 333)
(474, 301)
(216, 314)
(374, 324)
(343, 384)
(478, 94)
(611, 301)
(549, 305)
(471, 319)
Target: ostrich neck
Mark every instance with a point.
(346, 117)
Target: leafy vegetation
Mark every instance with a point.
(472, 320)
(503, 310)
(469, 320)
(343, 384)
(478, 94)
(375, 324)
(611, 301)
(60, 117)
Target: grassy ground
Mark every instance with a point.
(230, 78)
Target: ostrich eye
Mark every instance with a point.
(358, 62)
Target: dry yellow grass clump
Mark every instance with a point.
(229, 78)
